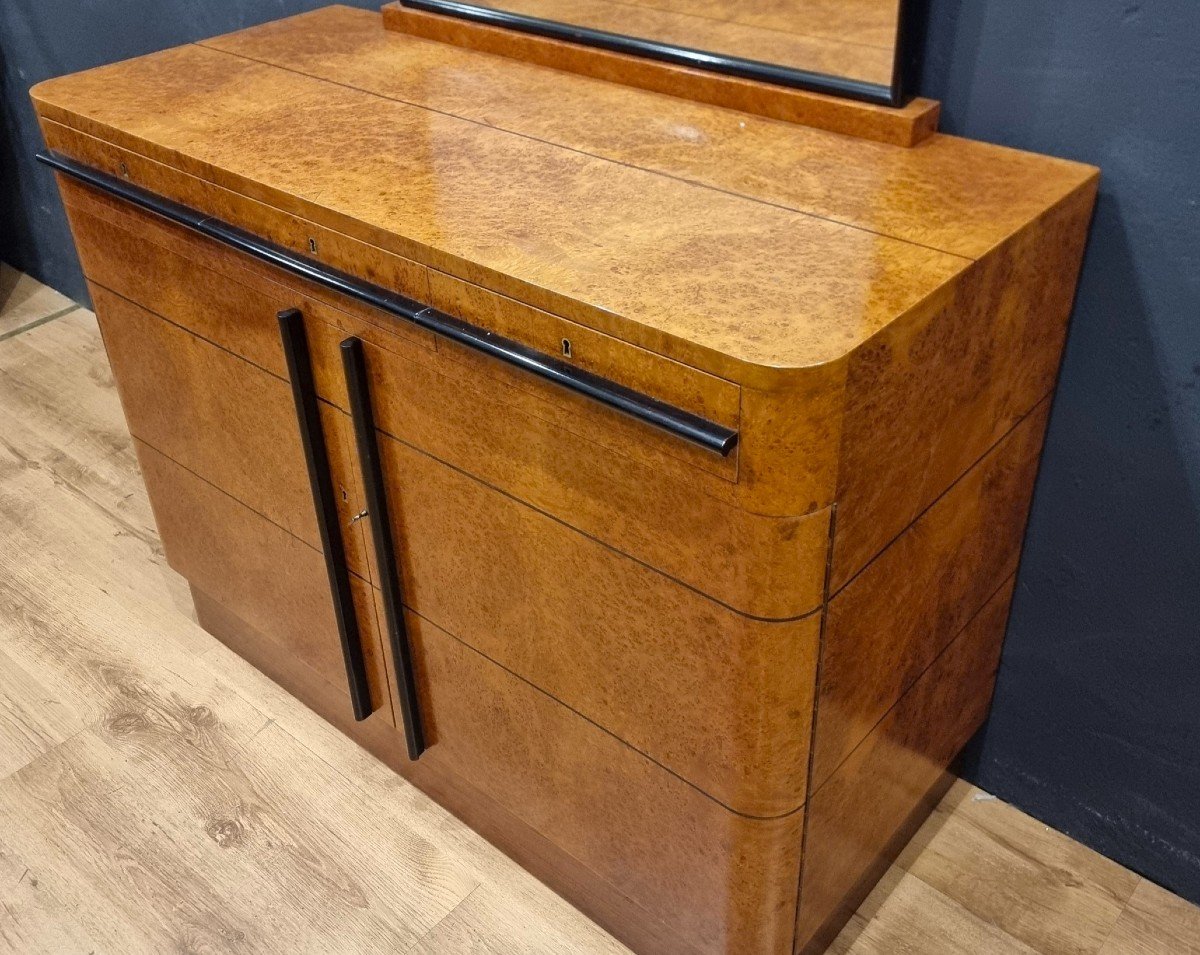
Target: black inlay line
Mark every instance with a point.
(877, 93)
(676, 421)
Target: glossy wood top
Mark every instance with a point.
(950, 194)
(900, 126)
(721, 233)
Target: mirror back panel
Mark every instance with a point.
(859, 49)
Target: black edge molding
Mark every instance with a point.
(316, 457)
(876, 93)
(354, 363)
(676, 421)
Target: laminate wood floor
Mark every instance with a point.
(157, 794)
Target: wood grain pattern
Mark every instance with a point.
(515, 434)
(888, 624)
(24, 300)
(759, 284)
(230, 423)
(1155, 923)
(860, 817)
(27, 730)
(106, 852)
(75, 511)
(904, 916)
(719, 881)
(720, 699)
(929, 398)
(506, 830)
(616, 636)
(858, 182)
(66, 428)
(770, 568)
(574, 784)
(979, 851)
(269, 577)
(952, 194)
(803, 436)
(904, 126)
(239, 315)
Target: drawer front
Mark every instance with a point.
(577, 350)
(259, 572)
(721, 882)
(721, 699)
(224, 419)
(587, 465)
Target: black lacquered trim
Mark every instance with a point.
(354, 362)
(865, 92)
(316, 456)
(682, 424)
(911, 30)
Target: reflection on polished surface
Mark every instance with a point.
(848, 39)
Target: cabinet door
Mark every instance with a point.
(231, 430)
(273, 583)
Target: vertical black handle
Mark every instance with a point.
(354, 361)
(316, 456)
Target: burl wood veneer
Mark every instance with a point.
(904, 126)
(704, 695)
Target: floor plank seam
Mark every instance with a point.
(38, 322)
(434, 927)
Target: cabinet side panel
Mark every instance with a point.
(890, 622)
(861, 817)
(927, 397)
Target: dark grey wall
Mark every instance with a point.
(1096, 726)
(44, 38)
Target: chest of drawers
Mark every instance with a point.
(643, 480)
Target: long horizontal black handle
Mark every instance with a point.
(354, 363)
(683, 424)
(316, 457)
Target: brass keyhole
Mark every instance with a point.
(566, 343)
